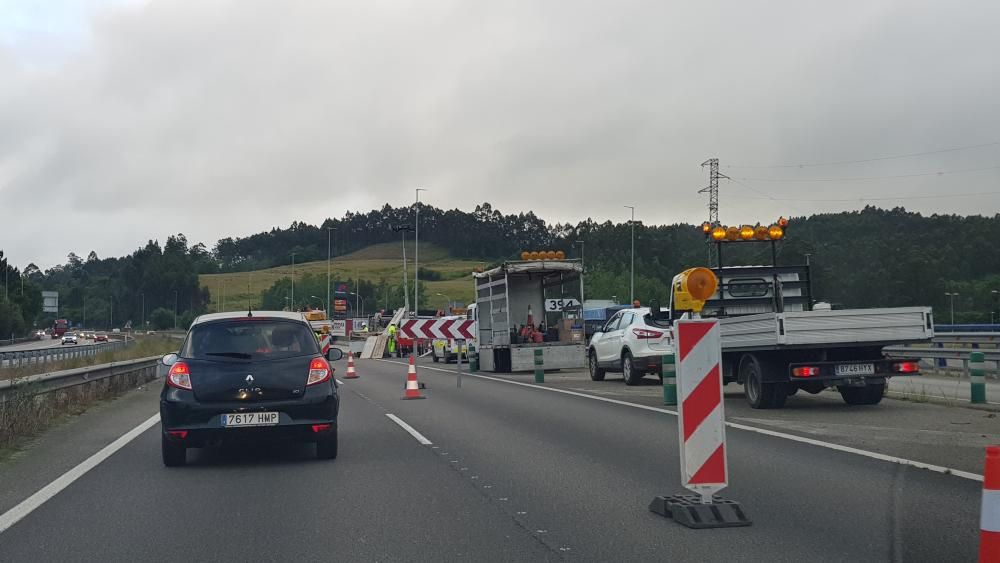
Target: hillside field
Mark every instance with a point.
(373, 263)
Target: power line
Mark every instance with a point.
(884, 198)
(863, 160)
(866, 178)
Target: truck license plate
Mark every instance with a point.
(249, 419)
(855, 369)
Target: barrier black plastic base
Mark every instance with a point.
(689, 511)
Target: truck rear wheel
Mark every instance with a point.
(870, 394)
(759, 394)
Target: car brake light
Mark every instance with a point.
(643, 334)
(319, 371)
(317, 428)
(179, 376)
(906, 367)
(805, 371)
(178, 433)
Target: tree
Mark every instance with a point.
(161, 318)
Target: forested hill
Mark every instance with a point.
(869, 258)
(873, 257)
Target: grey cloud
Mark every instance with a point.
(225, 117)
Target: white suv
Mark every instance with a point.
(629, 343)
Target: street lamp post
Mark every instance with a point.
(111, 304)
(953, 296)
(996, 306)
(293, 280)
(362, 299)
(631, 283)
(320, 299)
(329, 238)
(416, 256)
(583, 265)
(406, 287)
(446, 298)
(142, 318)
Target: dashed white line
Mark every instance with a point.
(420, 437)
(791, 437)
(28, 505)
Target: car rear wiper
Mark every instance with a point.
(240, 355)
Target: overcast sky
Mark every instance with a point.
(122, 121)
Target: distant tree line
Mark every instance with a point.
(869, 258)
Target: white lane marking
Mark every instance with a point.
(792, 437)
(29, 504)
(420, 437)
(339, 382)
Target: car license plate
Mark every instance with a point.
(249, 419)
(855, 369)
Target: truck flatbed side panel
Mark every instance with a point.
(897, 325)
(750, 331)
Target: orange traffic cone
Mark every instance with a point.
(989, 528)
(412, 387)
(351, 374)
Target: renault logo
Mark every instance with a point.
(249, 380)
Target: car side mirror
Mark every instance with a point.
(334, 354)
(169, 360)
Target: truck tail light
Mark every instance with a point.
(179, 376)
(805, 371)
(317, 428)
(179, 434)
(319, 371)
(906, 367)
(646, 334)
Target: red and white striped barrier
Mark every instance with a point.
(437, 328)
(701, 428)
(989, 521)
(702, 424)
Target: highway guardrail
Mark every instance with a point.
(143, 368)
(963, 354)
(47, 355)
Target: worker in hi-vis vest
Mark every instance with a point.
(392, 338)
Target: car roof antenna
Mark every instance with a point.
(249, 301)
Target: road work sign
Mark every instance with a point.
(702, 422)
(701, 428)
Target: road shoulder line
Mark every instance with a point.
(735, 425)
(28, 505)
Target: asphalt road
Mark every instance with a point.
(514, 473)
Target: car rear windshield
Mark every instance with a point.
(249, 339)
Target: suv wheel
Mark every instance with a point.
(629, 373)
(596, 372)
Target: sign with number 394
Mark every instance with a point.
(560, 304)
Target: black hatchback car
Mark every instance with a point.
(248, 376)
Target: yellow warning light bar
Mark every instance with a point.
(746, 233)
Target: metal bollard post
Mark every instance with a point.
(459, 361)
(473, 359)
(539, 366)
(669, 370)
(977, 376)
